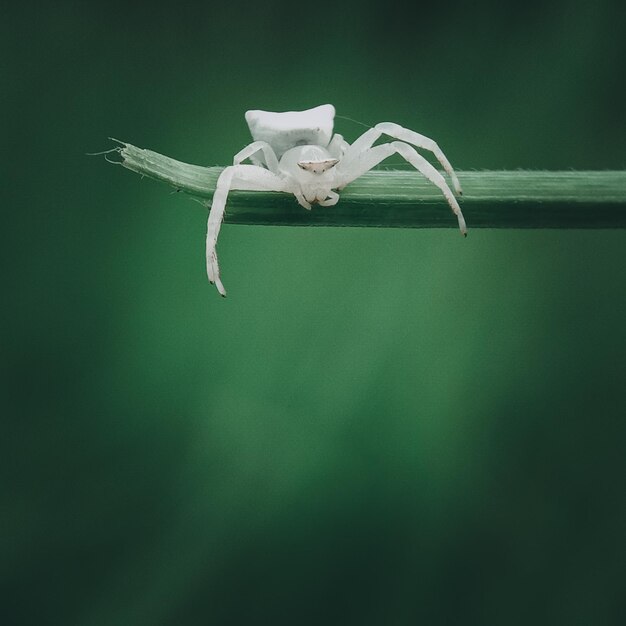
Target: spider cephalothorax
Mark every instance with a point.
(296, 152)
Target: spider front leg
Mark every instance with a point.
(239, 177)
(331, 199)
(250, 151)
(368, 138)
(371, 157)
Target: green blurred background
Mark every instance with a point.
(377, 426)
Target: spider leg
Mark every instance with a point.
(239, 177)
(373, 156)
(333, 198)
(337, 146)
(368, 138)
(250, 152)
(302, 201)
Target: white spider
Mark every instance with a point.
(296, 152)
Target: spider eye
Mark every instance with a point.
(317, 167)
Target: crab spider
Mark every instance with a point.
(296, 152)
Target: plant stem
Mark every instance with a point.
(405, 199)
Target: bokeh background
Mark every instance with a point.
(377, 426)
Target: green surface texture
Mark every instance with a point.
(378, 426)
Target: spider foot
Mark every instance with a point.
(213, 272)
(462, 224)
(456, 184)
(219, 286)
